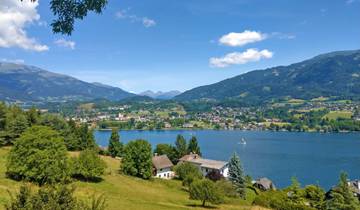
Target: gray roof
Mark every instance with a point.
(265, 183)
(161, 162)
(207, 163)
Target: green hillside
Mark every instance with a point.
(335, 74)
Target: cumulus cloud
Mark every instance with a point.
(240, 39)
(124, 14)
(65, 43)
(15, 15)
(237, 58)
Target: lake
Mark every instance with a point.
(314, 158)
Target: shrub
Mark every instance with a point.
(59, 197)
(39, 155)
(89, 165)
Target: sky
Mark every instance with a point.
(164, 45)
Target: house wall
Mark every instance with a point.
(165, 173)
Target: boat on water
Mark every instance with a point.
(242, 141)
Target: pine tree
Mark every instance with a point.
(194, 146)
(180, 146)
(236, 175)
(115, 147)
(342, 198)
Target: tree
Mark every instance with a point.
(33, 116)
(193, 146)
(187, 172)
(115, 147)
(342, 198)
(16, 124)
(205, 191)
(137, 159)
(86, 137)
(89, 165)
(39, 155)
(3, 111)
(180, 146)
(236, 175)
(296, 194)
(67, 11)
(315, 195)
(166, 149)
(227, 188)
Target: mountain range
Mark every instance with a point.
(335, 74)
(160, 95)
(29, 83)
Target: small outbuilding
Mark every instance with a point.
(162, 167)
(264, 184)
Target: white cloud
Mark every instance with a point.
(350, 1)
(280, 35)
(15, 15)
(240, 39)
(17, 61)
(237, 58)
(65, 43)
(147, 22)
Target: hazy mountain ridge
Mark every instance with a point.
(160, 94)
(29, 83)
(332, 74)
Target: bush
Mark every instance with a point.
(214, 175)
(205, 191)
(89, 165)
(59, 197)
(137, 159)
(39, 155)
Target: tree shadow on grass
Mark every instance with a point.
(201, 206)
(84, 179)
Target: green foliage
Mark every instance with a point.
(278, 200)
(205, 191)
(67, 11)
(88, 165)
(236, 175)
(167, 149)
(137, 159)
(342, 198)
(115, 146)
(187, 172)
(227, 188)
(315, 195)
(15, 124)
(180, 146)
(57, 197)
(39, 155)
(86, 137)
(295, 193)
(194, 146)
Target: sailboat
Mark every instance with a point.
(243, 142)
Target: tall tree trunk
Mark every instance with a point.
(203, 203)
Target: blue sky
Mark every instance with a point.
(179, 44)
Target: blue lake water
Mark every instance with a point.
(314, 158)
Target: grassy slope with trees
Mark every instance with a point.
(123, 191)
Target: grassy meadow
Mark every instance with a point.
(124, 192)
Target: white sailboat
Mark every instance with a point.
(243, 142)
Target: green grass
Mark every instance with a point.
(333, 115)
(124, 192)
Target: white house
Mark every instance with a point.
(206, 165)
(162, 167)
